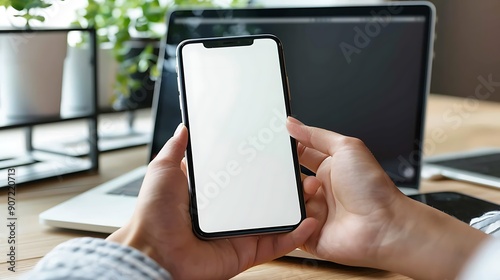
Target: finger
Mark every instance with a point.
(310, 158)
(270, 247)
(319, 139)
(173, 151)
(164, 180)
(311, 185)
(184, 166)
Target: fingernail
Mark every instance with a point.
(294, 120)
(178, 129)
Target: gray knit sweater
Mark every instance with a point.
(91, 258)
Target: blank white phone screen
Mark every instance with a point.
(241, 151)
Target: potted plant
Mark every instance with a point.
(24, 88)
(129, 33)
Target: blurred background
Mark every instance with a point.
(467, 43)
(467, 46)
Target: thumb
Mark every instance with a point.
(172, 152)
(165, 167)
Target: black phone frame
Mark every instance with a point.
(193, 209)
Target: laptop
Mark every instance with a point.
(362, 71)
(479, 166)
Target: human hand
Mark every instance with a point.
(355, 200)
(161, 226)
(366, 221)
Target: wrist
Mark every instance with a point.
(132, 236)
(426, 243)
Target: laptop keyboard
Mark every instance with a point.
(130, 189)
(488, 164)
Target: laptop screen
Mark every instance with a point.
(359, 71)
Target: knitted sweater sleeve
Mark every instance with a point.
(92, 258)
(488, 223)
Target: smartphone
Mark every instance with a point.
(458, 205)
(243, 169)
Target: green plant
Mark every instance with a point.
(27, 9)
(118, 21)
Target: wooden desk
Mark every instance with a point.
(469, 127)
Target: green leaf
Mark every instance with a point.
(147, 50)
(132, 68)
(18, 5)
(37, 4)
(143, 66)
(142, 24)
(154, 72)
(122, 36)
(5, 3)
(30, 17)
(154, 14)
(39, 18)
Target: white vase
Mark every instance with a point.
(31, 80)
(77, 96)
(78, 82)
